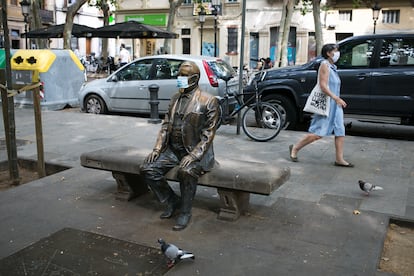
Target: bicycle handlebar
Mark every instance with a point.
(258, 60)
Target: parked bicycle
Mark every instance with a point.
(261, 121)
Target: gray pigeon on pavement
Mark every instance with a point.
(368, 187)
(173, 253)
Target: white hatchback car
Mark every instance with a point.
(127, 89)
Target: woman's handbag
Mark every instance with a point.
(318, 102)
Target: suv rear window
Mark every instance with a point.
(397, 52)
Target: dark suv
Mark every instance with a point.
(377, 76)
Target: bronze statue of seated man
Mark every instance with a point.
(185, 139)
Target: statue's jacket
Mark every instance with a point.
(198, 129)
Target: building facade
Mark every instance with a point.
(221, 35)
(17, 25)
(339, 18)
(52, 12)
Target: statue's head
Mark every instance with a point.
(188, 76)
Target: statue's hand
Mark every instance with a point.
(153, 156)
(187, 160)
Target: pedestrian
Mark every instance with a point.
(77, 53)
(320, 126)
(268, 63)
(185, 140)
(124, 56)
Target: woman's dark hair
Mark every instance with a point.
(327, 48)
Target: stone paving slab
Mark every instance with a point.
(306, 227)
(294, 236)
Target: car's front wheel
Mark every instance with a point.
(286, 109)
(95, 105)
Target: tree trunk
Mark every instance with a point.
(105, 11)
(8, 105)
(174, 5)
(278, 57)
(316, 7)
(70, 15)
(36, 23)
(289, 12)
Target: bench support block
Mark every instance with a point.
(232, 204)
(129, 186)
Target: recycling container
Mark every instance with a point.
(60, 72)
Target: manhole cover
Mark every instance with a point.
(74, 252)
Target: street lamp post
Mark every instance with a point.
(375, 14)
(202, 19)
(215, 11)
(25, 5)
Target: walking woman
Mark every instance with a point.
(330, 84)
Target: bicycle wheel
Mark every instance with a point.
(262, 122)
(223, 110)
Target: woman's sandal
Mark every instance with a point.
(294, 159)
(349, 165)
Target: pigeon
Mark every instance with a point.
(368, 187)
(173, 253)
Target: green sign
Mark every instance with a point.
(2, 59)
(154, 19)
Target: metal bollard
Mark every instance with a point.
(155, 117)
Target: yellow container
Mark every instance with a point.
(60, 71)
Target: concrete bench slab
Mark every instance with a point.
(234, 179)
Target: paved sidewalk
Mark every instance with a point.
(306, 227)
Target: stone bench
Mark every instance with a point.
(235, 180)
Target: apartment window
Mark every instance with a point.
(341, 36)
(14, 33)
(186, 45)
(345, 15)
(391, 17)
(232, 1)
(186, 40)
(187, 2)
(232, 36)
(15, 44)
(186, 31)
